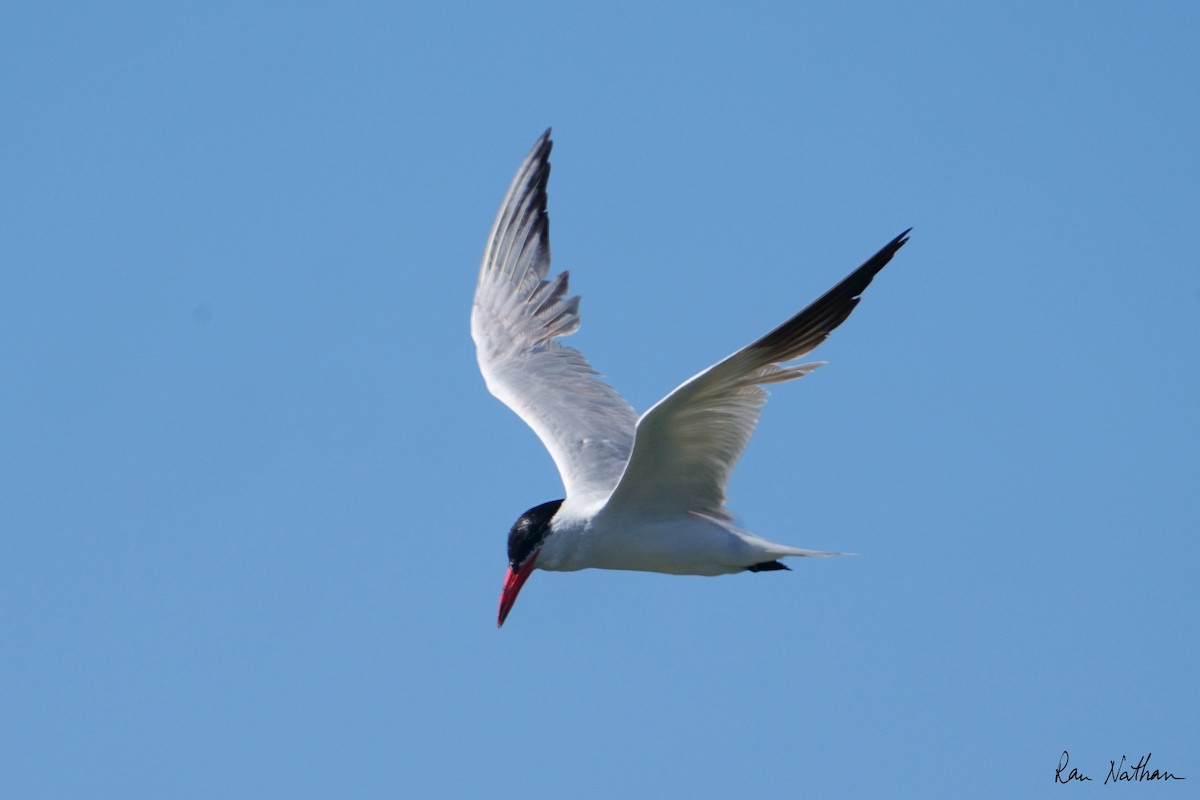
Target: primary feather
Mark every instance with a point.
(517, 316)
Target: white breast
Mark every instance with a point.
(585, 536)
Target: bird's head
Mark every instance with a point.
(525, 541)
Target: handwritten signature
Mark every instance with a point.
(1117, 771)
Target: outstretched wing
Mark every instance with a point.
(688, 442)
(516, 320)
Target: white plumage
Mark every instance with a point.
(641, 493)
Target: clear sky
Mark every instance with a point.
(254, 494)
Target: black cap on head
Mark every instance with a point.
(530, 531)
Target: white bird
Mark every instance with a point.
(642, 493)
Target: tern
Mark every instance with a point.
(642, 493)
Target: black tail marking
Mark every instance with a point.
(767, 566)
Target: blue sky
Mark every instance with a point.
(254, 495)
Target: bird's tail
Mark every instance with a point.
(800, 551)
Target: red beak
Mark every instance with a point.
(513, 581)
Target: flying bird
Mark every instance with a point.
(642, 493)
